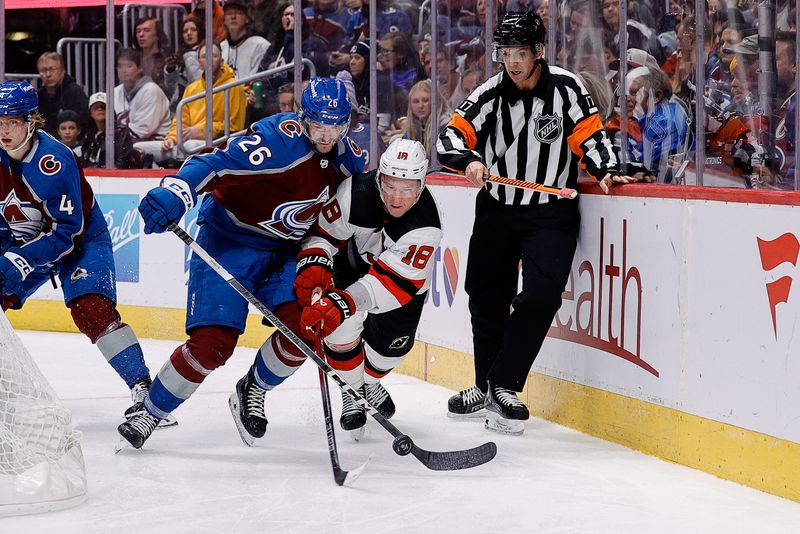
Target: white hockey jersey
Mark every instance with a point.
(394, 252)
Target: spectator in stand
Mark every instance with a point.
(58, 92)
(639, 34)
(140, 105)
(184, 67)
(327, 21)
(313, 48)
(217, 15)
(286, 102)
(666, 138)
(241, 51)
(447, 73)
(94, 145)
(193, 117)
(69, 130)
(397, 56)
(152, 42)
(785, 47)
(468, 82)
(267, 15)
(418, 123)
(388, 107)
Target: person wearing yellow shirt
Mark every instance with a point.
(194, 113)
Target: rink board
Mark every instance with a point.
(675, 336)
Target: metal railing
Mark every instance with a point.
(226, 89)
(84, 60)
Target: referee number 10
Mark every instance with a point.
(418, 256)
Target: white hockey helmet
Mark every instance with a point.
(404, 159)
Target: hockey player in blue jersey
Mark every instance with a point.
(51, 226)
(264, 191)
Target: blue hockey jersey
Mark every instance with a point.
(266, 188)
(46, 204)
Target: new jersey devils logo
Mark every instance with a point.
(291, 220)
(24, 220)
(49, 165)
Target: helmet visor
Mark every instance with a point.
(512, 54)
(325, 134)
(400, 188)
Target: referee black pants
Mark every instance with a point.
(508, 327)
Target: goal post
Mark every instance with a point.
(41, 463)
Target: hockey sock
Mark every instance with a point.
(97, 318)
(277, 360)
(208, 347)
(349, 364)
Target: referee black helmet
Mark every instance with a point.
(520, 29)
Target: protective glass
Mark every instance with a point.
(410, 190)
(325, 134)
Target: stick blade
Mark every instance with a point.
(456, 460)
(346, 478)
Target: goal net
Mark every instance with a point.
(41, 463)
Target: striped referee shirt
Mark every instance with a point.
(539, 136)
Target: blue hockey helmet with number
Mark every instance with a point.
(18, 98)
(325, 102)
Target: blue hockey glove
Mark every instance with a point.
(165, 205)
(14, 268)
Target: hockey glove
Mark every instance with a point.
(314, 270)
(14, 268)
(165, 205)
(325, 315)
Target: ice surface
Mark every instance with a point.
(199, 477)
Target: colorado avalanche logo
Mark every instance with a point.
(49, 165)
(22, 217)
(291, 220)
(547, 128)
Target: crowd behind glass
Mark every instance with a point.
(747, 108)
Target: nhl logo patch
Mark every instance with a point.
(547, 128)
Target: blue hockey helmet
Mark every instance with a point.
(324, 113)
(325, 102)
(18, 98)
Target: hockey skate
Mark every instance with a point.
(467, 404)
(137, 429)
(247, 409)
(505, 413)
(139, 392)
(380, 399)
(354, 417)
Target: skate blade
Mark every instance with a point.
(497, 423)
(357, 434)
(473, 416)
(121, 445)
(167, 422)
(233, 403)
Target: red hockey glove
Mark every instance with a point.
(325, 315)
(314, 270)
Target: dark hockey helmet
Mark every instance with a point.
(520, 29)
(18, 98)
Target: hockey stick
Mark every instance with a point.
(522, 184)
(342, 477)
(402, 444)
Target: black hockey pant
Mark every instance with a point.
(508, 328)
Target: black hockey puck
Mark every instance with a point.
(402, 445)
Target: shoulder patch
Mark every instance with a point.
(49, 165)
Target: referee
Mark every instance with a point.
(536, 123)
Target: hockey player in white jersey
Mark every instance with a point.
(370, 253)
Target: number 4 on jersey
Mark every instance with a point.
(66, 205)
